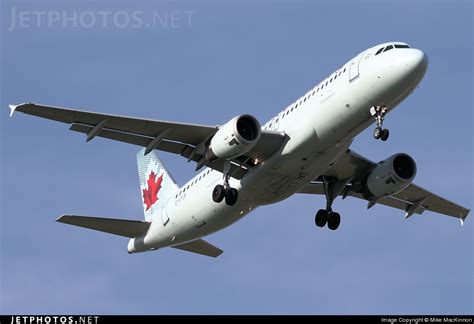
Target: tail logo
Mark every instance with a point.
(150, 194)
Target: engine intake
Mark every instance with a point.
(235, 138)
(390, 176)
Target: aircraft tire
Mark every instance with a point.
(231, 196)
(377, 132)
(334, 220)
(218, 193)
(321, 218)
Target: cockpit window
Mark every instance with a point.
(389, 47)
(379, 51)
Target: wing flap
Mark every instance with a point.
(177, 138)
(236, 170)
(316, 188)
(404, 200)
(121, 227)
(267, 145)
(200, 247)
(432, 202)
(187, 133)
(164, 145)
(355, 166)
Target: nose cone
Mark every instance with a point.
(414, 61)
(419, 60)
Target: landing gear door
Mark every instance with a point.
(354, 67)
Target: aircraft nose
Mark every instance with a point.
(415, 60)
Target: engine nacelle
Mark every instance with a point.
(390, 176)
(235, 138)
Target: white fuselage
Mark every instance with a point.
(319, 127)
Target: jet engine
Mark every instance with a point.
(235, 138)
(390, 176)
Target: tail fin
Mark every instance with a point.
(156, 185)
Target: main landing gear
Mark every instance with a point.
(332, 188)
(222, 192)
(378, 112)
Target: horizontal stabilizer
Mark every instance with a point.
(122, 227)
(200, 247)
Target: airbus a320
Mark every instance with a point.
(304, 149)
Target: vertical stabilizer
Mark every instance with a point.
(156, 185)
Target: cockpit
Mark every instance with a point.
(389, 47)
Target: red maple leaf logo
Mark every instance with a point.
(150, 195)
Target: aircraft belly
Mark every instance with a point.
(278, 182)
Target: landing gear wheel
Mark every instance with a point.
(225, 191)
(378, 112)
(321, 218)
(332, 188)
(378, 132)
(334, 220)
(231, 196)
(385, 134)
(218, 193)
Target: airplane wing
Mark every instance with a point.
(413, 199)
(183, 139)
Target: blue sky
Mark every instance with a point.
(232, 57)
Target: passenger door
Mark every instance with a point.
(354, 67)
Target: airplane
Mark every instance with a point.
(303, 149)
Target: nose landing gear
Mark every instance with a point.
(378, 112)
